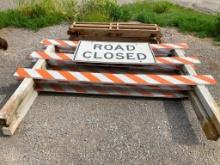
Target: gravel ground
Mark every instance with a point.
(76, 129)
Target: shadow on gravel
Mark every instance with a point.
(6, 92)
(181, 128)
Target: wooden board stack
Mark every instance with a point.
(172, 76)
(131, 32)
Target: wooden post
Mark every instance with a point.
(19, 103)
(206, 109)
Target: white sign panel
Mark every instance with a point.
(114, 52)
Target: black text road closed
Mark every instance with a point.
(114, 52)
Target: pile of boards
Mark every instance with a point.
(115, 31)
(171, 76)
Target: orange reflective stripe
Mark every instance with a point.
(206, 78)
(62, 43)
(67, 75)
(43, 55)
(90, 77)
(64, 56)
(46, 42)
(184, 80)
(162, 60)
(22, 73)
(159, 79)
(136, 79)
(44, 74)
(182, 60)
(113, 78)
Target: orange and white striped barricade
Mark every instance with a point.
(158, 49)
(162, 63)
(162, 79)
(110, 90)
(114, 78)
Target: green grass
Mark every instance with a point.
(40, 13)
(167, 14)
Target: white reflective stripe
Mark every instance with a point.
(171, 79)
(102, 77)
(183, 44)
(33, 73)
(45, 40)
(35, 55)
(168, 60)
(42, 41)
(198, 80)
(56, 56)
(70, 43)
(189, 59)
(156, 94)
(155, 46)
(192, 59)
(69, 55)
(173, 60)
(53, 56)
(148, 79)
(125, 79)
(79, 76)
(54, 42)
(173, 46)
(56, 75)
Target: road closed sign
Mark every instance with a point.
(114, 52)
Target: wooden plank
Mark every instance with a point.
(205, 121)
(121, 23)
(9, 110)
(119, 31)
(204, 96)
(114, 38)
(21, 112)
(92, 30)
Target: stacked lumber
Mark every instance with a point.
(115, 31)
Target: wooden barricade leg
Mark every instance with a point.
(206, 109)
(19, 103)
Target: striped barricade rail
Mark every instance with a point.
(109, 78)
(162, 63)
(113, 90)
(125, 86)
(68, 43)
(159, 60)
(110, 69)
(158, 49)
(70, 64)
